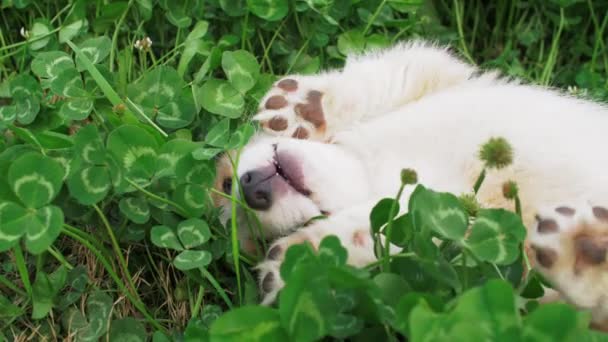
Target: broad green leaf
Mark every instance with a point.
(145, 8)
(351, 42)
(171, 153)
(271, 10)
(191, 259)
(234, 8)
(89, 184)
(44, 290)
(220, 97)
(205, 153)
(68, 83)
(438, 212)
(380, 214)
(541, 325)
(193, 45)
(163, 236)
(73, 29)
(242, 69)
(127, 329)
(251, 323)
(486, 313)
(88, 145)
(77, 108)
(135, 209)
(241, 136)
(35, 179)
(192, 197)
(164, 97)
(178, 17)
(190, 170)
(178, 113)
(43, 229)
(99, 309)
(51, 140)
(193, 233)
(219, 134)
(95, 49)
(40, 29)
(50, 64)
(9, 310)
(134, 149)
(12, 224)
(26, 94)
(496, 236)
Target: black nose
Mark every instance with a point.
(257, 190)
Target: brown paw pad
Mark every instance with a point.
(547, 226)
(601, 213)
(288, 84)
(312, 111)
(267, 282)
(546, 257)
(276, 102)
(278, 123)
(301, 133)
(590, 250)
(566, 211)
(274, 252)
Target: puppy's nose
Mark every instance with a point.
(257, 190)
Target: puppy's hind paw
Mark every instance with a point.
(570, 246)
(294, 107)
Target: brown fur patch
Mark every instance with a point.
(601, 213)
(301, 133)
(277, 123)
(566, 211)
(276, 102)
(546, 257)
(312, 111)
(288, 84)
(547, 226)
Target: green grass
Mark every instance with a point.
(121, 136)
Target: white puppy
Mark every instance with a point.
(335, 143)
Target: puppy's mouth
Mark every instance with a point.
(288, 168)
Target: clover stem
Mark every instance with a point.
(67, 230)
(57, 255)
(216, 286)
(389, 229)
(393, 256)
(199, 301)
(233, 225)
(181, 210)
(479, 181)
(116, 247)
(22, 269)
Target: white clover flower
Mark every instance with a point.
(572, 89)
(143, 44)
(24, 33)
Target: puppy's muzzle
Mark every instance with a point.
(257, 188)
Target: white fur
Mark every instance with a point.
(416, 106)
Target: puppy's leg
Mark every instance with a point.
(569, 245)
(315, 107)
(350, 226)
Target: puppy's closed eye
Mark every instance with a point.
(227, 185)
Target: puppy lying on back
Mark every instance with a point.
(334, 144)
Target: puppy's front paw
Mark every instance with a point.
(269, 270)
(570, 246)
(294, 107)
